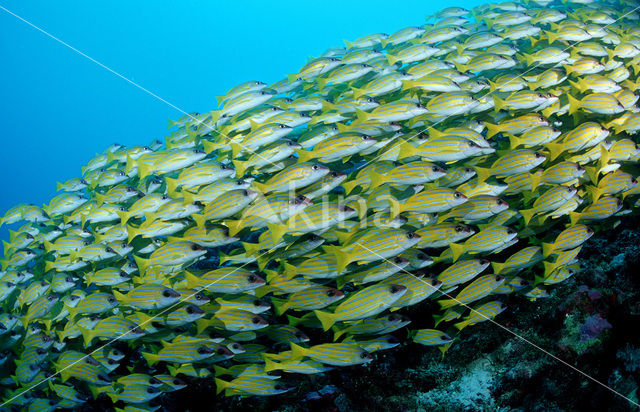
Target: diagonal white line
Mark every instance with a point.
(182, 300)
(46, 33)
(522, 338)
(431, 126)
(119, 337)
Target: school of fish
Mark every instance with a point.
(283, 233)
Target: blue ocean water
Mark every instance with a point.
(59, 108)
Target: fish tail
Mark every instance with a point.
(270, 365)
(362, 117)
(321, 83)
(192, 280)
(130, 164)
(202, 324)
(304, 155)
(172, 186)
(87, 335)
(289, 270)
(574, 104)
(604, 157)
(406, 85)
(447, 303)
(200, 220)
(482, 173)
(144, 170)
(235, 149)
(575, 217)
(547, 249)
(377, 179)
(551, 36)
(457, 250)
(279, 305)
(492, 129)
(241, 167)
(407, 150)
(349, 186)
(234, 226)
(188, 197)
(514, 141)
(142, 263)
(277, 231)
(497, 267)
(337, 332)
(498, 103)
(555, 150)
(151, 358)
(132, 232)
(326, 318)
(298, 351)
(221, 385)
(209, 146)
(594, 192)
(548, 268)
(435, 133)
(527, 214)
(124, 216)
(593, 173)
(461, 325)
(343, 258)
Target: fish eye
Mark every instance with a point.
(538, 155)
(435, 169)
(257, 303)
(202, 350)
(300, 198)
(315, 167)
(177, 382)
(365, 137)
(189, 310)
(331, 293)
(394, 289)
(283, 126)
(252, 278)
(195, 247)
(364, 355)
(397, 260)
(111, 299)
(200, 296)
(220, 351)
(510, 231)
(459, 228)
(457, 195)
(109, 250)
(255, 320)
(166, 293)
(151, 389)
(334, 174)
